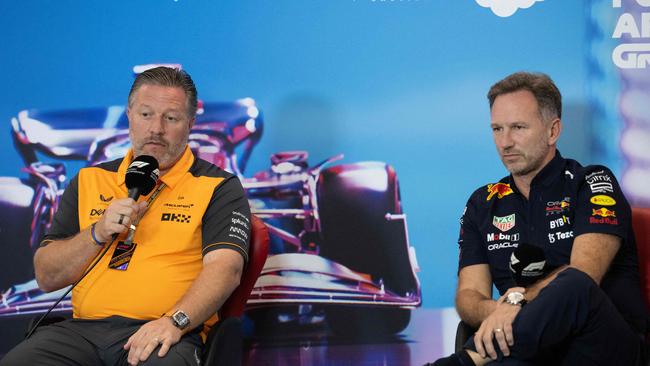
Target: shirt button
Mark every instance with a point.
(532, 228)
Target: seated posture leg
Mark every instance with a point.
(574, 315)
(571, 322)
(53, 345)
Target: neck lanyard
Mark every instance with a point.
(154, 195)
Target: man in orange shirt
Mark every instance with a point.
(159, 297)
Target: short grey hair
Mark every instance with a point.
(171, 77)
(548, 96)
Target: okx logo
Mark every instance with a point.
(174, 217)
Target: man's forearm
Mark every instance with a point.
(61, 262)
(473, 307)
(208, 292)
(533, 290)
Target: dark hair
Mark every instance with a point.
(546, 93)
(167, 76)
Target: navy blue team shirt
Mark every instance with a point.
(565, 200)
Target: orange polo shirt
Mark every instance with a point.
(201, 208)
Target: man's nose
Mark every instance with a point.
(157, 126)
(504, 140)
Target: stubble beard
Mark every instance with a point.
(168, 157)
(532, 161)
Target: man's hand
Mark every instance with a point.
(117, 218)
(160, 331)
(498, 325)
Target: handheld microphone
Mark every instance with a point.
(141, 176)
(527, 264)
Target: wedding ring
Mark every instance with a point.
(498, 330)
(121, 219)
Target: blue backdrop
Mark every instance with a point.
(396, 81)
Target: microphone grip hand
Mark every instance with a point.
(117, 218)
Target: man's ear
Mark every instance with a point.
(554, 131)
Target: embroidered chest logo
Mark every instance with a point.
(558, 207)
(104, 198)
(504, 223)
(500, 189)
(97, 212)
(175, 217)
(178, 206)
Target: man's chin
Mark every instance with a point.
(520, 171)
(517, 169)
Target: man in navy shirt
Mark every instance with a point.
(588, 309)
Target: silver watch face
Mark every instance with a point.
(181, 320)
(515, 298)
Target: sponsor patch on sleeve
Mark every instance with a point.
(603, 216)
(602, 200)
(600, 182)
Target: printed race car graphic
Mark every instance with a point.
(339, 239)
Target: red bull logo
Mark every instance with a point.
(500, 189)
(603, 212)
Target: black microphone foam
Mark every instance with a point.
(141, 176)
(527, 264)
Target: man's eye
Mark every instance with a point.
(172, 118)
(145, 114)
(496, 129)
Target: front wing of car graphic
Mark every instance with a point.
(299, 278)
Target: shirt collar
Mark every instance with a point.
(171, 178)
(546, 176)
(549, 173)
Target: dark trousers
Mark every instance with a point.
(95, 342)
(572, 322)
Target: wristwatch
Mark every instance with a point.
(516, 298)
(180, 319)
